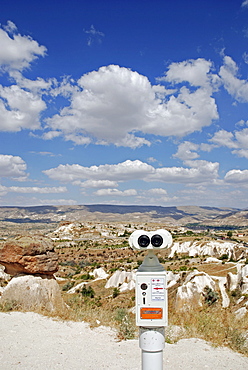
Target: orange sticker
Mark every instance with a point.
(151, 313)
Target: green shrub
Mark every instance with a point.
(116, 292)
(86, 276)
(210, 295)
(88, 291)
(67, 286)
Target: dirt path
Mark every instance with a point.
(30, 341)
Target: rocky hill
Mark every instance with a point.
(177, 216)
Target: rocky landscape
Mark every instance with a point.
(85, 270)
(173, 216)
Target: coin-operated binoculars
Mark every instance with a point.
(151, 296)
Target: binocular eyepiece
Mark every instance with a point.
(142, 240)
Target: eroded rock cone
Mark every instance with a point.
(29, 254)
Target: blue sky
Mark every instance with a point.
(124, 102)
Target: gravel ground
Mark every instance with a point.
(30, 341)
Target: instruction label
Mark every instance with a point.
(158, 289)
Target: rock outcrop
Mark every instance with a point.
(125, 280)
(29, 255)
(191, 292)
(99, 274)
(33, 293)
(214, 249)
(243, 279)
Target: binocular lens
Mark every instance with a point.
(157, 240)
(144, 241)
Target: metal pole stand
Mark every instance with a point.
(151, 300)
(151, 342)
(151, 337)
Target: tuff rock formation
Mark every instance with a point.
(215, 249)
(243, 279)
(191, 291)
(28, 254)
(33, 293)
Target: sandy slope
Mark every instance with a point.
(30, 341)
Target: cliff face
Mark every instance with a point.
(29, 255)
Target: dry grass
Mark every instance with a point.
(214, 324)
(211, 323)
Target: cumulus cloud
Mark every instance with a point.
(187, 150)
(12, 167)
(19, 109)
(195, 71)
(20, 104)
(238, 141)
(35, 86)
(197, 172)
(115, 103)
(116, 192)
(224, 138)
(237, 177)
(124, 171)
(99, 184)
(236, 87)
(17, 51)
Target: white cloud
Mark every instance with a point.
(237, 177)
(12, 167)
(36, 189)
(224, 138)
(243, 153)
(17, 52)
(2, 190)
(115, 103)
(157, 191)
(195, 71)
(35, 86)
(244, 3)
(124, 171)
(187, 150)
(236, 87)
(94, 35)
(199, 171)
(49, 154)
(116, 192)
(10, 27)
(237, 141)
(151, 160)
(245, 57)
(33, 201)
(51, 135)
(33, 189)
(65, 88)
(19, 109)
(99, 184)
